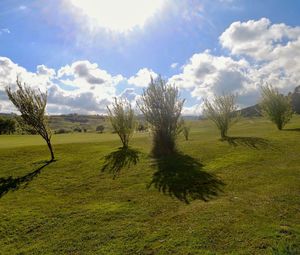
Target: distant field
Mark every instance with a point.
(71, 207)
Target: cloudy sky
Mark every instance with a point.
(85, 52)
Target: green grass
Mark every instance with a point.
(71, 207)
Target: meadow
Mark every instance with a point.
(237, 196)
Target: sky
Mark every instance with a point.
(86, 52)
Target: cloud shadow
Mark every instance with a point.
(13, 184)
(182, 177)
(121, 158)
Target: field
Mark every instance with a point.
(239, 196)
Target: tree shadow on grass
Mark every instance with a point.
(292, 129)
(10, 183)
(251, 142)
(182, 177)
(121, 158)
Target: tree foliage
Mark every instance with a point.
(32, 105)
(275, 106)
(7, 126)
(161, 105)
(121, 116)
(222, 110)
(100, 128)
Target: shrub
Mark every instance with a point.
(62, 131)
(161, 105)
(276, 106)
(100, 128)
(77, 129)
(222, 110)
(121, 116)
(141, 127)
(7, 126)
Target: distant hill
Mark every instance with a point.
(90, 122)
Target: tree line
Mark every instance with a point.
(161, 105)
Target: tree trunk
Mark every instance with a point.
(50, 149)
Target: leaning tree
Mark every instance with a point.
(161, 105)
(32, 105)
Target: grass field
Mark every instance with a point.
(251, 184)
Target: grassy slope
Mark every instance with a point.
(73, 208)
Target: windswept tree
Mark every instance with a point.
(121, 116)
(222, 110)
(161, 105)
(275, 106)
(32, 106)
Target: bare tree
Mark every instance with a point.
(161, 105)
(222, 110)
(121, 116)
(32, 105)
(276, 106)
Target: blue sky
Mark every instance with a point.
(204, 47)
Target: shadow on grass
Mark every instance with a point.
(182, 177)
(121, 158)
(10, 183)
(292, 129)
(251, 142)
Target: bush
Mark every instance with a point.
(141, 127)
(222, 110)
(121, 117)
(7, 126)
(100, 128)
(276, 106)
(77, 129)
(161, 105)
(61, 131)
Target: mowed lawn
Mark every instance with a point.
(71, 207)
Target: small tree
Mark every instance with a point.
(276, 106)
(32, 105)
(161, 105)
(121, 116)
(222, 110)
(186, 132)
(100, 129)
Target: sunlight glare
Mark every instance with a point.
(119, 15)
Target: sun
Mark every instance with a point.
(119, 15)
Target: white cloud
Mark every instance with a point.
(4, 31)
(129, 94)
(92, 89)
(257, 38)
(142, 78)
(260, 52)
(174, 65)
(192, 110)
(206, 74)
(44, 70)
